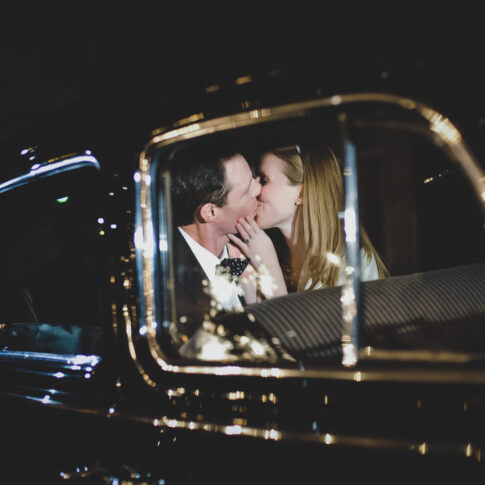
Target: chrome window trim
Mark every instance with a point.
(50, 168)
(37, 171)
(79, 360)
(145, 236)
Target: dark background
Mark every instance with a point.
(124, 66)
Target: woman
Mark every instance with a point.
(301, 196)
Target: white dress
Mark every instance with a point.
(368, 268)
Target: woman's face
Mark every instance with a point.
(277, 200)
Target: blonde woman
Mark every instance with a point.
(301, 196)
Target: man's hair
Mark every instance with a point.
(198, 177)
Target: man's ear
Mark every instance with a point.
(207, 212)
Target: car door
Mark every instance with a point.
(364, 367)
(54, 356)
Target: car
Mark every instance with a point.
(375, 379)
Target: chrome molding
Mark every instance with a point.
(50, 168)
(468, 450)
(351, 285)
(473, 451)
(79, 361)
(145, 237)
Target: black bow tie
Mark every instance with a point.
(235, 266)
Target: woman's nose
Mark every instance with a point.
(257, 185)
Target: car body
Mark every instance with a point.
(92, 388)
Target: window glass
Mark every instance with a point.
(420, 209)
(53, 261)
(416, 202)
(418, 214)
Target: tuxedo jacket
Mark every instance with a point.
(192, 303)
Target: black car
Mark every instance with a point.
(377, 379)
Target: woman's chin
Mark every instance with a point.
(260, 221)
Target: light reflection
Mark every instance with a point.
(257, 348)
(233, 430)
(59, 375)
(212, 89)
(139, 238)
(215, 350)
(443, 127)
(50, 167)
(272, 434)
(223, 288)
(227, 370)
(243, 80)
(333, 258)
(85, 359)
(349, 355)
(163, 245)
(350, 225)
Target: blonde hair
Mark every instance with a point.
(318, 170)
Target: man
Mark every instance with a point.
(212, 186)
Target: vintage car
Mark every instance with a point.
(374, 379)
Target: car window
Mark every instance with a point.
(51, 280)
(420, 227)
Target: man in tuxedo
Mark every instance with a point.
(212, 186)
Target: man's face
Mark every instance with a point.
(241, 198)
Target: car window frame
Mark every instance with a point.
(71, 364)
(147, 240)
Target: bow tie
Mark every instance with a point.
(235, 266)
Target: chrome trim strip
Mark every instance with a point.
(66, 359)
(50, 169)
(49, 401)
(350, 297)
(467, 450)
(144, 231)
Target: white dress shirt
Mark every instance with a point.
(223, 291)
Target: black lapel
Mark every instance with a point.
(189, 274)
